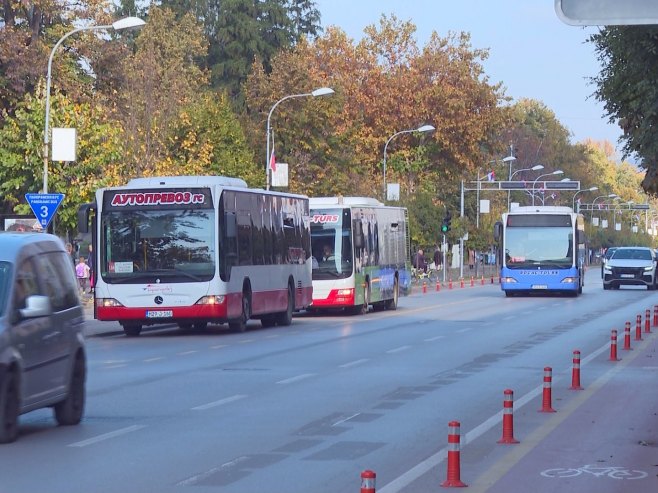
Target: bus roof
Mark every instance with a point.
(339, 200)
(182, 181)
(543, 209)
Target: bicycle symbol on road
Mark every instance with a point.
(610, 471)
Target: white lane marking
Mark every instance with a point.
(353, 363)
(433, 461)
(460, 331)
(341, 421)
(218, 346)
(200, 477)
(220, 402)
(151, 360)
(297, 378)
(397, 349)
(107, 436)
(185, 353)
(435, 338)
(245, 341)
(112, 367)
(114, 361)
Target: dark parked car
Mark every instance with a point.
(42, 352)
(630, 266)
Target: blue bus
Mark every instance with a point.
(541, 249)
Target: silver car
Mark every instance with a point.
(42, 352)
(630, 266)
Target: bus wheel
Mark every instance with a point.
(132, 330)
(392, 304)
(240, 324)
(285, 318)
(363, 309)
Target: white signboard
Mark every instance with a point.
(484, 206)
(280, 176)
(64, 144)
(393, 191)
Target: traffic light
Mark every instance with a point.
(445, 226)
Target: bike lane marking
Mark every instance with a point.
(509, 460)
(501, 467)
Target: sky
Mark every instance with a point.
(531, 51)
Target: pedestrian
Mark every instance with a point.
(92, 270)
(437, 258)
(69, 250)
(419, 261)
(82, 273)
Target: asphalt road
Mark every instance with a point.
(308, 407)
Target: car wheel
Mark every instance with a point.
(606, 287)
(9, 408)
(69, 411)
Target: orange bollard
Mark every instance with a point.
(438, 285)
(638, 328)
(613, 346)
(546, 406)
(424, 287)
(647, 322)
(655, 315)
(508, 418)
(575, 372)
(492, 280)
(453, 479)
(472, 282)
(368, 481)
(450, 284)
(482, 281)
(461, 282)
(627, 337)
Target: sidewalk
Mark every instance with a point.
(603, 439)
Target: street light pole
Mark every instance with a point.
(125, 23)
(424, 128)
(556, 172)
(573, 202)
(323, 91)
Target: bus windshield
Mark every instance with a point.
(542, 246)
(173, 245)
(331, 244)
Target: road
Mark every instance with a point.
(308, 407)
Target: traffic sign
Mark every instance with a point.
(44, 206)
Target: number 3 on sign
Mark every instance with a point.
(44, 212)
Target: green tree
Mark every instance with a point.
(626, 86)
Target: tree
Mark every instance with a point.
(240, 31)
(626, 86)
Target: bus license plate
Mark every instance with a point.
(539, 286)
(159, 313)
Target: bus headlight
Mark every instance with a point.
(570, 280)
(508, 280)
(211, 300)
(107, 302)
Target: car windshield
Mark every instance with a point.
(5, 276)
(632, 254)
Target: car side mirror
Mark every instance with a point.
(36, 306)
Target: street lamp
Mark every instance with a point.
(424, 128)
(536, 167)
(125, 23)
(322, 91)
(556, 172)
(573, 202)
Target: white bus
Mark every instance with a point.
(194, 250)
(360, 253)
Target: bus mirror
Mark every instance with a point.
(83, 216)
(231, 225)
(498, 231)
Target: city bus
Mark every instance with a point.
(541, 249)
(194, 250)
(360, 251)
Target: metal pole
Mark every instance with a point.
(461, 237)
(477, 206)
